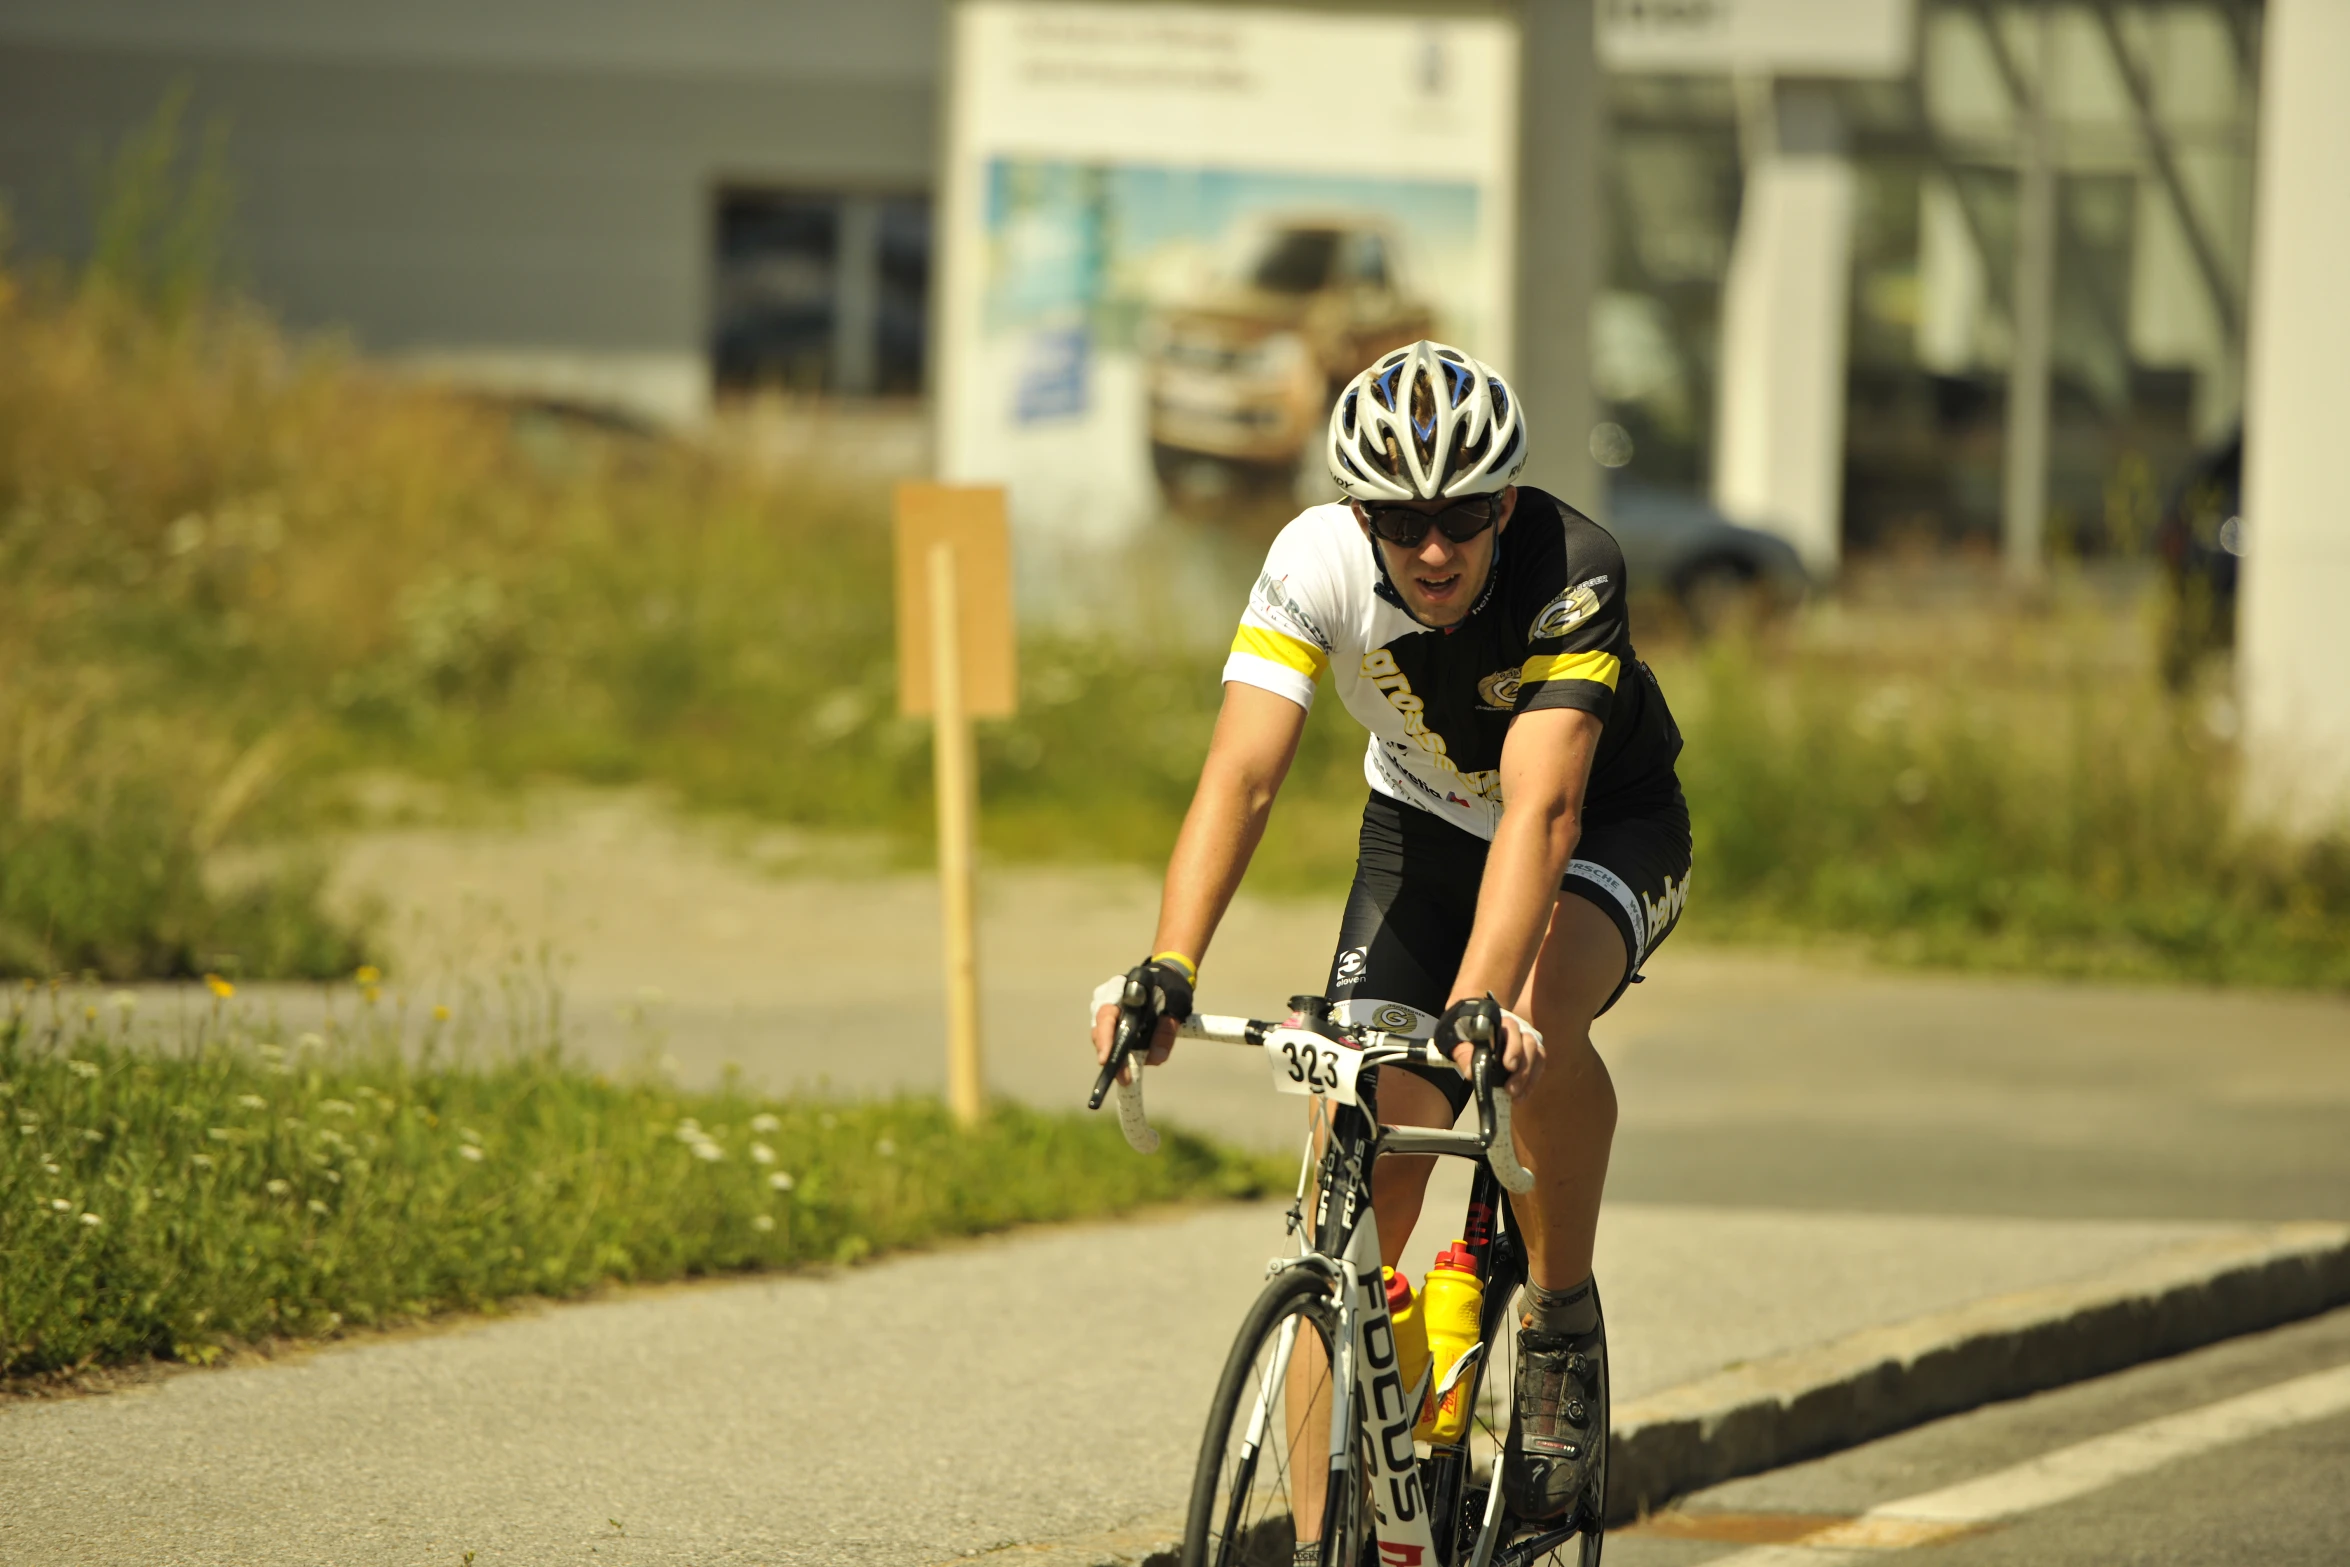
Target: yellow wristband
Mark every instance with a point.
(1190, 970)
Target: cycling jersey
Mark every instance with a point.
(1548, 630)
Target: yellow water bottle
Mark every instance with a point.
(1450, 1303)
(1411, 1331)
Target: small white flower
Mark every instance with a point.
(92, 1220)
(61, 1205)
(83, 1069)
(762, 1154)
(28, 1130)
(220, 1134)
(887, 1148)
(50, 1167)
(338, 1107)
(310, 1042)
(277, 1188)
(763, 1122)
(469, 1152)
(252, 1101)
(273, 1051)
(763, 1223)
(123, 1001)
(315, 1206)
(708, 1152)
(781, 1180)
(689, 1130)
(468, 1135)
(91, 1134)
(202, 1161)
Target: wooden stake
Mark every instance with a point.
(952, 773)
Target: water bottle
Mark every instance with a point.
(1411, 1331)
(1450, 1304)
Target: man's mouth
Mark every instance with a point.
(1438, 587)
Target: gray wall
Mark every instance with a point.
(521, 174)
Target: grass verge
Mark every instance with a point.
(172, 1199)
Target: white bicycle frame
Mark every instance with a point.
(1366, 1352)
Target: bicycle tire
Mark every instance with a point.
(1240, 1513)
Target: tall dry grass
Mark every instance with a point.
(235, 570)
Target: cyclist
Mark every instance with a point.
(1525, 836)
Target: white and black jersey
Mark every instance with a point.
(1549, 630)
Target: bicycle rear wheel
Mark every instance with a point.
(1263, 1477)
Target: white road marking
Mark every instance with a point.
(2060, 1476)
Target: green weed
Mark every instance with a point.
(170, 1195)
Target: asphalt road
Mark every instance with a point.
(1835, 1140)
(1760, 1079)
(2276, 1498)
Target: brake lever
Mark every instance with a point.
(1131, 1036)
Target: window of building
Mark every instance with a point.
(821, 291)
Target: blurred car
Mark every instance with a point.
(2200, 539)
(1716, 570)
(1245, 373)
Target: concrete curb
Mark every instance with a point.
(1794, 1406)
(1881, 1380)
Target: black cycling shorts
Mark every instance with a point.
(1415, 896)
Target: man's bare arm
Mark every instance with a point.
(1255, 741)
(1545, 768)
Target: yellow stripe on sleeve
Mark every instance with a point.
(1599, 667)
(1277, 648)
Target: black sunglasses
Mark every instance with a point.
(1406, 528)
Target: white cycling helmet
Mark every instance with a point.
(1424, 422)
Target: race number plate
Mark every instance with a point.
(1304, 1063)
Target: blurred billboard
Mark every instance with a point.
(1171, 232)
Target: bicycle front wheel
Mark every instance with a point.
(1263, 1482)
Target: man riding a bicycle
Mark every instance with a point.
(1525, 838)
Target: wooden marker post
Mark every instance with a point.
(956, 663)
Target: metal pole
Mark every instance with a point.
(2026, 479)
(952, 772)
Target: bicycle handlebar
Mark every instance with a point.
(1380, 1048)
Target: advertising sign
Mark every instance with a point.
(1172, 232)
(1866, 38)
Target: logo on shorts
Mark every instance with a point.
(1569, 610)
(1499, 690)
(1664, 913)
(1351, 964)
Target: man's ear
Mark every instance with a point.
(1509, 507)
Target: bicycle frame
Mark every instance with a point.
(1343, 1241)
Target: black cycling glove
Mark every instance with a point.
(1166, 982)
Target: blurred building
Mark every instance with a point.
(589, 199)
(1912, 195)
(647, 206)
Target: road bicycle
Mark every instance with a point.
(1310, 1436)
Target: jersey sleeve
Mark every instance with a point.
(1284, 641)
(1576, 640)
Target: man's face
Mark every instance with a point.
(1440, 579)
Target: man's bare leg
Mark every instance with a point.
(1567, 1122)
